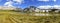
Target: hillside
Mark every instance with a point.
(18, 17)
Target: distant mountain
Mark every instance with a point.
(10, 8)
(31, 9)
(7, 8)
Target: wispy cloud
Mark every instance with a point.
(10, 2)
(19, 1)
(47, 0)
(43, 0)
(54, 0)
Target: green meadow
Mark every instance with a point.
(19, 17)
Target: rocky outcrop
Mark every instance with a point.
(32, 9)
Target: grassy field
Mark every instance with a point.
(18, 17)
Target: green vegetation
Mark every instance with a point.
(18, 17)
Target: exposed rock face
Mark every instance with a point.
(31, 9)
(35, 9)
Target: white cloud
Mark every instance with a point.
(45, 7)
(43, 0)
(54, 0)
(47, 0)
(49, 7)
(56, 6)
(8, 0)
(8, 3)
(16, 0)
(19, 1)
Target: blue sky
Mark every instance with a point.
(26, 3)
